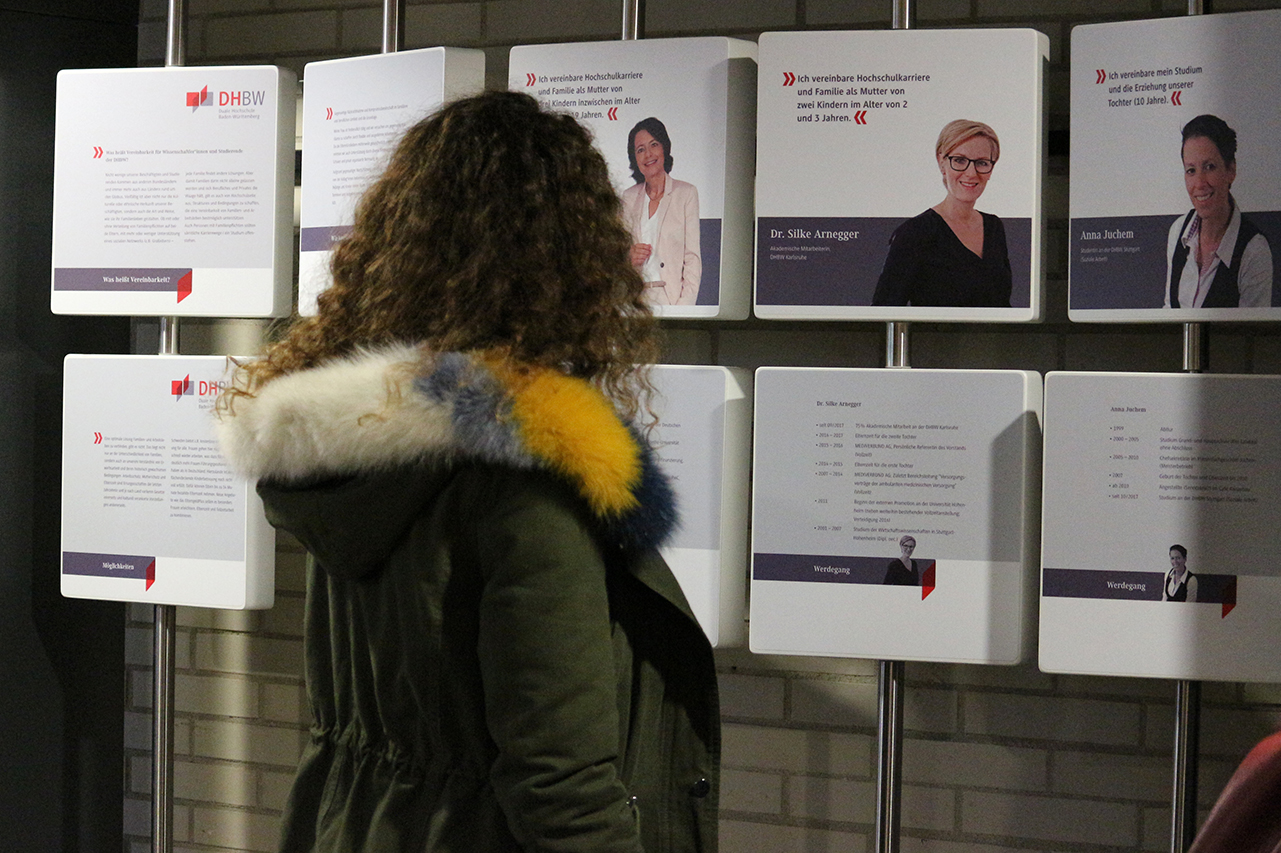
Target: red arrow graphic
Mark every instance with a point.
(97, 438)
(151, 575)
(613, 113)
(97, 152)
(860, 117)
(927, 580)
(1102, 76)
(1176, 97)
(329, 113)
(789, 79)
(531, 79)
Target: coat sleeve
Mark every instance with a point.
(547, 666)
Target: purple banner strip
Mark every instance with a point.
(106, 565)
(1134, 586)
(824, 568)
(134, 280)
(321, 239)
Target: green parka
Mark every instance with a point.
(497, 657)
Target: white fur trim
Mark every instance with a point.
(355, 414)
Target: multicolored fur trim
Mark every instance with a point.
(398, 405)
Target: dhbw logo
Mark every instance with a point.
(181, 387)
(199, 99)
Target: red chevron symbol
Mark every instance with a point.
(1102, 76)
(97, 152)
(1176, 97)
(531, 79)
(151, 575)
(860, 117)
(927, 580)
(789, 79)
(613, 113)
(97, 438)
(329, 113)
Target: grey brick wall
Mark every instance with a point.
(996, 759)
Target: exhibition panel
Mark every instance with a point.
(1159, 526)
(703, 443)
(150, 510)
(1152, 100)
(675, 119)
(860, 134)
(173, 192)
(354, 112)
(894, 513)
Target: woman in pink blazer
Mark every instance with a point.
(662, 214)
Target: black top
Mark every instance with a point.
(929, 265)
(897, 574)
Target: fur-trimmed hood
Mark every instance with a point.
(399, 406)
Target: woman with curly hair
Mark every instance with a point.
(497, 658)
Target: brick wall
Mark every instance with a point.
(996, 759)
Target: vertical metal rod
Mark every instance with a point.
(1194, 340)
(168, 336)
(889, 745)
(1187, 724)
(176, 34)
(164, 630)
(633, 20)
(896, 344)
(904, 15)
(1196, 7)
(162, 659)
(393, 25)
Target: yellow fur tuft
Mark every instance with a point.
(570, 424)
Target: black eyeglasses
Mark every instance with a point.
(960, 164)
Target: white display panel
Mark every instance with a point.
(703, 92)
(173, 192)
(847, 462)
(847, 128)
(354, 112)
(1135, 85)
(150, 510)
(1134, 465)
(703, 445)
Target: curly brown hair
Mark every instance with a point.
(494, 227)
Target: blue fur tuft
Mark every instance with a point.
(654, 521)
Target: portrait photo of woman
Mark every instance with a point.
(952, 255)
(662, 214)
(902, 571)
(1216, 258)
(1180, 584)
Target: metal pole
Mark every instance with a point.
(1187, 694)
(1194, 341)
(890, 675)
(904, 15)
(633, 20)
(889, 743)
(162, 728)
(164, 630)
(176, 35)
(393, 25)
(1187, 712)
(896, 344)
